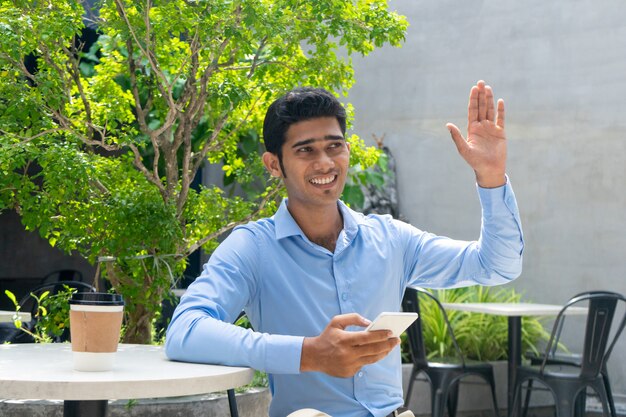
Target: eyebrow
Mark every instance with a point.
(307, 141)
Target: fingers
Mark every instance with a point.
(489, 102)
(365, 338)
(500, 114)
(458, 138)
(377, 348)
(482, 101)
(344, 320)
(472, 107)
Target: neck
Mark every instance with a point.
(321, 225)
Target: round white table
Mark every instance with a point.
(44, 371)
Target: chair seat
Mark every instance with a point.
(556, 371)
(575, 359)
(454, 363)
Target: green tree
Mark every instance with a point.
(99, 147)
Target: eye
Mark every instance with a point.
(304, 149)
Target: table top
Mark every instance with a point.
(7, 316)
(514, 309)
(44, 371)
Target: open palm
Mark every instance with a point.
(484, 148)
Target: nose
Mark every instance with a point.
(324, 162)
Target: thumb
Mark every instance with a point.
(344, 320)
(457, 137)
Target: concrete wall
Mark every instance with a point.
(561, 68)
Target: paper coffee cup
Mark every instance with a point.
(95, 324)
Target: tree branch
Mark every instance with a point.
(141, 112)
(186, 176)
(256, 56)
(148, 53)
(74, 72)
(138, 162)
(24, 139)
(254, 66)
(209, 144)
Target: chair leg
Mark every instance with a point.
(441, 385)
(529, 388)
(517, 392)
(609, 393)
(438, 402)
(490, 379)
(232, 403)
(453, 399)
(581, 403)
(605, 399)
(409, 390)
(565, 400)
(494, 398)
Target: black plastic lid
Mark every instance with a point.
(97, 298)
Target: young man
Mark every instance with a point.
(313, 275)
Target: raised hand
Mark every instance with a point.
(484, 149)
(342, 353)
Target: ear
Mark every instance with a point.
(272, 165)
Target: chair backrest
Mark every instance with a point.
(410, 303)
(62, 275)
(597, 343)
(29, 304)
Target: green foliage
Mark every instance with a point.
(54, 313)
(99, 147)
(480, 336)
(52, 318)
(369, 171)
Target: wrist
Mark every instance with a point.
(494, 180)
(307, 358)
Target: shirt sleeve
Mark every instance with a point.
(496, 258)
(201, 329)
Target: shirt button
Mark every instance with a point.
(360, 374)
(344, 296)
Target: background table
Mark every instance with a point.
(514, 311)
(7, 316)
(44, 371)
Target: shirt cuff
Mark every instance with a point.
(498, 200)
(283, 354)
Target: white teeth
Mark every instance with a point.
(322, 181)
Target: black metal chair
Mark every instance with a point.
(444, 378)
(568, 376)
(62, 275)
(28, 304)
(555, 357)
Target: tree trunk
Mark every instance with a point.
(138, 324)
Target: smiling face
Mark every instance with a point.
(315, 158)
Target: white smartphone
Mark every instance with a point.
(396, 322)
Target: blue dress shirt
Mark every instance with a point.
(290, 288)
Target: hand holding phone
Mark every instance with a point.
(396, 322)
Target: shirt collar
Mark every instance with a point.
(286, 225)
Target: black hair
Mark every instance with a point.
(299, 104)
